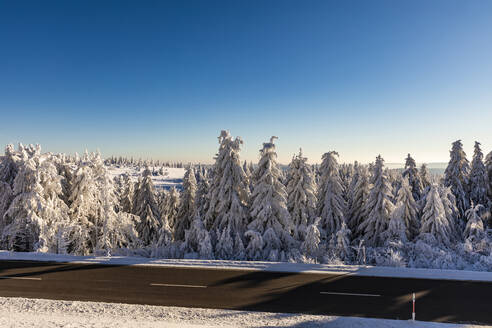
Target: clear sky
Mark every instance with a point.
(161, 78)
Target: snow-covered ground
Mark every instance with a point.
(172, 177)
(372, 271)
(23, 312)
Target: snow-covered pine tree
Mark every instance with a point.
(456, 177)
(488, 166)
(270, 217)
(397, 230)
(331, 205)
(83, 210)
(126, 199)
(66, 169)
(406, 209)
(10, 165)
(434, 221)
(6, 196)
(164, 236)
(451, 211)
(425, 177)
(119, 188)
(145, 207)
(170, 207)
(187, 207)
(311, 244)
(228, 195)
(115, 229)
(254, 248)
(36, 216)
(56, 212)
(478, 178)
(358, 194)
(346, 175)
(344, 250)
(201, 200)
(23, 220)
(246, 169)
(301, 197)
(378, 206)
(412, 174)
(394, 178)
(197, 240)
(97, 227)
(474, 230)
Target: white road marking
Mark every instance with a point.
(349, 294)
(176, 285)
(20, 278)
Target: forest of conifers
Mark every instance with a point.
(327, 213)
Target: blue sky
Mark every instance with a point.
(161, 78)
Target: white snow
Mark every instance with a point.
(23, 312)
(173, 176)
(357, 270)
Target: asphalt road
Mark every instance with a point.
(334, 294)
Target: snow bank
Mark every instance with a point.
(368, 271)
(22, 312)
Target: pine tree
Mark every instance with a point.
(170, 207)
(269, 213)
(24, 218)
(478, 178)
(254, 249)
(165, 234)
(96, 225)
(301, 197)
(397, 230)
(451, 211)
(474, 227)
(201, 200)
(197, 240)
(331, 205)
(311, 244)
(55, 212)
(34, 213)
(456, 177)
(406, 209)
(10, 165)
(145, 207)
(358, 194)
(228, 194)
(425, 178)
(412, 174)
(488, 166)
(83, 210)
(187, 207)
(344, 250)
(126, 200)
(434, 221)
(378, 207)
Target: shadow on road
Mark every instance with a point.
(341, 294)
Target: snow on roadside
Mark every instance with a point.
(371, 271)
(23, 312)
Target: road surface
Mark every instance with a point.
(313, 293)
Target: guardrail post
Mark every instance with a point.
(413, 307)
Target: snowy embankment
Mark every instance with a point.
(22, 312)
(368, 271)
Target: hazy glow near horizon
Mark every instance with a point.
(159, 79)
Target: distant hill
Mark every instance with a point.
(434, 168)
